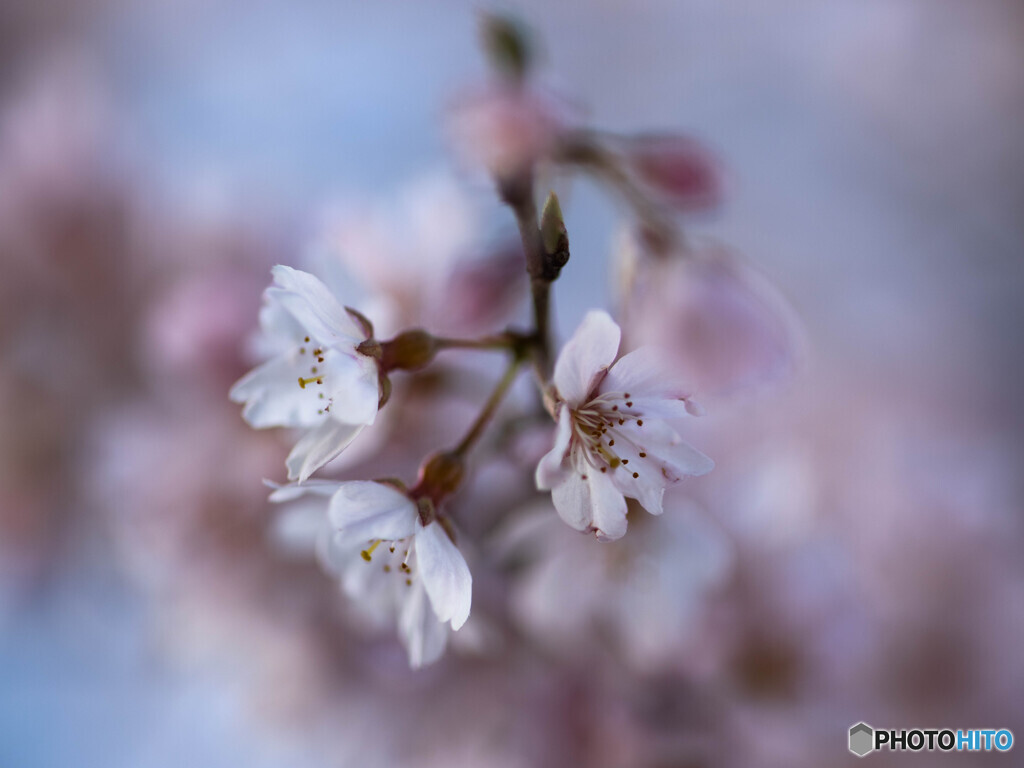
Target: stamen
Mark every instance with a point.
(367, 554)
(303, 382)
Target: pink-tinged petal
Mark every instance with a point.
(549, 470)
(319, 446)
(444, 573)
(643, 373)
(586, 356)
(664, 446)
(591, 503)
(609, 507)
(364, 511)
(683, 171)
(313, 305)
(422, 634)
(648, 487)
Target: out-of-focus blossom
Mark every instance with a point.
(505, 128)
(384, 553)
(191, 334)
(613, 439)
(415, 259)
(677, 169)
(317, 380)
(717, 322)
(646, 592)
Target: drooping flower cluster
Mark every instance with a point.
(616, 418)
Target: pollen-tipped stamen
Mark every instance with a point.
(367, 554)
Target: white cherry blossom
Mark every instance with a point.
(315, 378)
(385, 554)
(615, 438)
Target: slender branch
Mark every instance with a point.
(518, 195)
(489, 409)
(509, 340)
(584, 150)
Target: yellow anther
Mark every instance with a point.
(367, 553)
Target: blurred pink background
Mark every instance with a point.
(855, 555)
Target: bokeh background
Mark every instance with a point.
(156, 158)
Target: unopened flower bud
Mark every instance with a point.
(408, 351)
(552, 226)
(679, 169)
(554, 236)
(507, 45)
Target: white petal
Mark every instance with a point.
(363, 511)
(292, 491)
(352, 382)
(313, 305)
(609, 507)
(318, 446)
(549, 470)
(643, 373)
(663, 445)
(586, 355)
(650, 492)
(572, 502)
(423, 635)
(686, 460)
(273, 397)
(444, 573)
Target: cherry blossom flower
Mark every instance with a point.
(384, 552)
(316, 378)
(614, 435)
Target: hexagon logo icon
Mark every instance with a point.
(862, 739)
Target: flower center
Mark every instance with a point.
(396, 557)
(596, 427)
(316, 371)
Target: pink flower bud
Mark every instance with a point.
(505, 129)
(679, 169)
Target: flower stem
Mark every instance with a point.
(489, 409)
(508, 340)
(518, 195)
